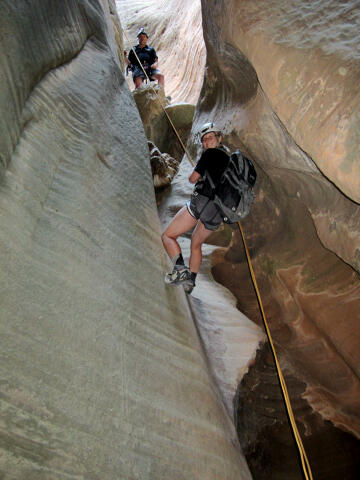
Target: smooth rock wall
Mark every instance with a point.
(102, 376)
(310, 71)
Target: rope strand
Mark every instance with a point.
(303, 457)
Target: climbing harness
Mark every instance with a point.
(303, 457)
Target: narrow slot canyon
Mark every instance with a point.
(109, 373)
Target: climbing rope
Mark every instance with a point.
(303, 457)
(304, 460)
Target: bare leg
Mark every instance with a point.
(160, 78)
(199, 235)
(181, 223)
(138, 81)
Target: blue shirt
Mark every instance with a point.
(147, 55)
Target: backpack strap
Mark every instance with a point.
(224, 149)
(245, 173)
(209, 179)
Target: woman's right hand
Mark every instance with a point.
(194, 176)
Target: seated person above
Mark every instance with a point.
(148, 60)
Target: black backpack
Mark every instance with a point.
(234, 193)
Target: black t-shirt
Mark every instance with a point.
(147, 55)
(214, 161)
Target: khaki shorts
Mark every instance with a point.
(205, 210)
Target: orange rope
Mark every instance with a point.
(304, 460)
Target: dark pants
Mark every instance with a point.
(138, 72)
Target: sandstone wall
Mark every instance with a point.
(282, 82)
(289, 121)
(101, 372)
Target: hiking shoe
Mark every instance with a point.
(178, 275)
(187, 280)
(188, 285)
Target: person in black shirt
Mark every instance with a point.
(200, 212)
(148, 60)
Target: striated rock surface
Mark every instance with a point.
(117, 31)
(314, 91)
(175, 31)
(311, 300)
(102, 375)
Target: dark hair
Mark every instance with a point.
(142, 32)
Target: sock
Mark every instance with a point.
(193, 276)
(178, 260)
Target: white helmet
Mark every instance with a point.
(207, 128)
